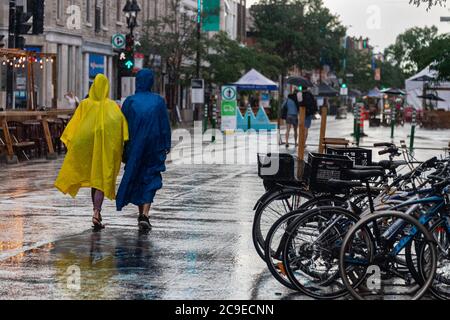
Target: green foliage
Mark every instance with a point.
(303, 33)
(228, 61)
(428, 3)
(438, 55)
(406, 52)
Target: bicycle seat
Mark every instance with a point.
(363, 175)
(343, 184)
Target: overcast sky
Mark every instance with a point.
(383, 20)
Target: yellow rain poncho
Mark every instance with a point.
(95, 140)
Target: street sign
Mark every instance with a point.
(118, 41)
(229, 93)
(344, 91)
(198, 91)
(229, 108)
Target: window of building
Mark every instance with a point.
(88, 11)
(119, 10)
(105, 13)
(59, 9)
(98, 17)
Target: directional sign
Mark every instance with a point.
(229, 93)
(229, 108)
(118, 41)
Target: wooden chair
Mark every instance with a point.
(19, 139)
(341, 142)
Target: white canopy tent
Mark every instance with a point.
(254, 80)
(414, 89)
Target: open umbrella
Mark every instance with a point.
(326, 91)
(424, 78)
(299, 81)
(393, 92)
(354, 93)
(431, 97)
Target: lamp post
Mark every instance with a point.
(199, 30)
(131, 11)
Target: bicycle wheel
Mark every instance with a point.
(441, 284)
(280, 203)
(311, 251)
(275, 237)
(372, 272)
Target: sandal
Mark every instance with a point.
(144, 223)
(98, 225)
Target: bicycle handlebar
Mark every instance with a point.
(384, 144)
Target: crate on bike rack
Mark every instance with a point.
(360, 156)
(324, 167)
(281, 167)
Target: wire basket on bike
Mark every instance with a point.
(324, 167)
(360, 156)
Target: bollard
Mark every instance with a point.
(393, 115)
(205, 119)
(413, 129)
(249, 119)
(323, 129)
(214, 123)
(361, 123)
(357, 125)
(302, 135)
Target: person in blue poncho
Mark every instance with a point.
(146, 152)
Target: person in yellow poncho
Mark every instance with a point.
(95, 139)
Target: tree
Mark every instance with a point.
(303, 33)
(172, 41)
(437, 54)
(428, 3)
(228, 60)
(359, 64)
(405, 52)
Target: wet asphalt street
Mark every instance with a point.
(200, 248)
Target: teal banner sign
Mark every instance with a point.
(211, 15)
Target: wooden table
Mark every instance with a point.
(42, 116)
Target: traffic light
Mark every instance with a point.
(344, 86)
(126, 58)
(300, 88)
(38, 16)
(23, 24)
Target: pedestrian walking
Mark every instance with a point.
(146, 152)
(95, 138)
(310, 103)
(291, 107)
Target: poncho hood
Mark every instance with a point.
(100, 88)
(144, 80)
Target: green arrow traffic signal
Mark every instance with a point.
(129, 64)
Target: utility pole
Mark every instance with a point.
(11, 44)
(199, 35)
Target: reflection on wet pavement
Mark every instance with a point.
(200, 248)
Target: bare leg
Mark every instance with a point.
(97, 201)
(296, 135)
(288, 131)
(145, 210)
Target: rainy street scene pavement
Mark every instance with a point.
(200, 247)
(144, 152)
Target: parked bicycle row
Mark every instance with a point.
(341, 225)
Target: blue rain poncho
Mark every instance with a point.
(150, 141)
